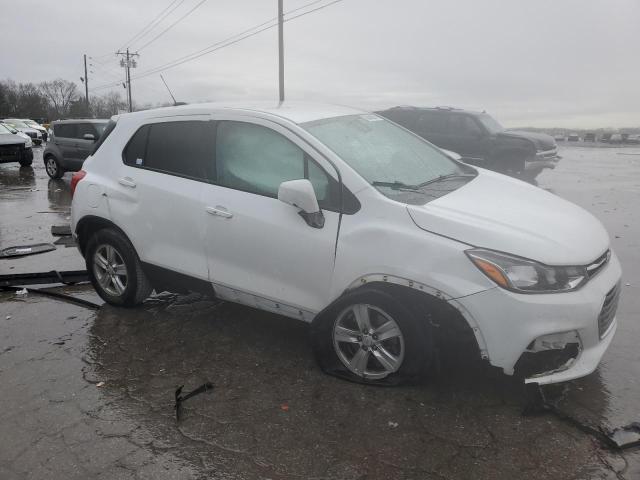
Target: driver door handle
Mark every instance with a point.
(127, 182)
(219, 211)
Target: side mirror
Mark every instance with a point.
(300, 194)
(89, 136)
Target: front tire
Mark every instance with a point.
(53, 168)
(26, 163)
(115, 270)
(369, 336)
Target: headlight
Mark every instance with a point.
(28, 143)
(526, 276)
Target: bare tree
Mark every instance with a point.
(60, 93)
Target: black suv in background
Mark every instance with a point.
(479, 139)
(71, 142)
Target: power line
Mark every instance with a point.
(171, 26)
(153, 23)
(226, 42)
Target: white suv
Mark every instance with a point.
(343, 219)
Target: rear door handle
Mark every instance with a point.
(127, 182)
(219, 211)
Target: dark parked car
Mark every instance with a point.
(606, 137)
(70, 144)
(14, 148)
(479, 139)
(589, 137)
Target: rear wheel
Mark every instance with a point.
(369, 336)
(26, 163)
(115, 270)
(53, 168)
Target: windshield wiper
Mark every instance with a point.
(396, 185)
(445, 177)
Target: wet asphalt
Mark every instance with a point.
(90, 394)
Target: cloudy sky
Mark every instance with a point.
(568, 63)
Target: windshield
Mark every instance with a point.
(390, 158)
(17, 123)
(4, 129)
(490, 123)
(31, 123)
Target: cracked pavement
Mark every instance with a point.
(89, 394)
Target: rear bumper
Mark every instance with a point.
(514, 326)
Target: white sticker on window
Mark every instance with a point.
(371, 118)
(138, 161)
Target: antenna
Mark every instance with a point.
(165, 84)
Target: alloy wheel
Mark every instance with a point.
(110, 270)
(51, 166)
(368, 341)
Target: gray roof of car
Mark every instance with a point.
(82, 120)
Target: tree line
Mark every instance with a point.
(54, 100)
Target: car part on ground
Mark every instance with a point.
(60, 296)
(65, 277)
(180, 398)
(22, 250)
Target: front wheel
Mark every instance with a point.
(115, 270)
(54, 170)
(369, 336)
(26, 163)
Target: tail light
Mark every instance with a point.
(75, 179)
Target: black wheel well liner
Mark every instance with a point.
(447, 320)
(90, 224)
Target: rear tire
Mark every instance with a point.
(115, 270)
(396, 347)
(26, 163)
(53, 168)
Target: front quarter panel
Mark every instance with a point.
(381, 239)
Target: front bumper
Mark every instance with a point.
(510, 323)
(542, 160)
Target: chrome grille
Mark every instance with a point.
(608, 312)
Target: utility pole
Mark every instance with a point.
(281, 50)
(128, 62)
(86, 84)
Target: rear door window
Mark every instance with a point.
(86, 128)
(178, 148)
(65, 130)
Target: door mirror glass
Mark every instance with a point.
(301, 195)
(89, 136)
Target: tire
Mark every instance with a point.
(340, 349)
(26, 163)
(53, 168)
(126, 285)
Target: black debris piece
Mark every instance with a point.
(619, 438)
(66, 277)
(65, 241)
(60, 230)
(23, 250)
(180, 398)
(59, 296)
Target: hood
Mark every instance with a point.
(500, 213)
(11, 139)
(542, 141)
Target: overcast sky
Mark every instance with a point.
(568, 63)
